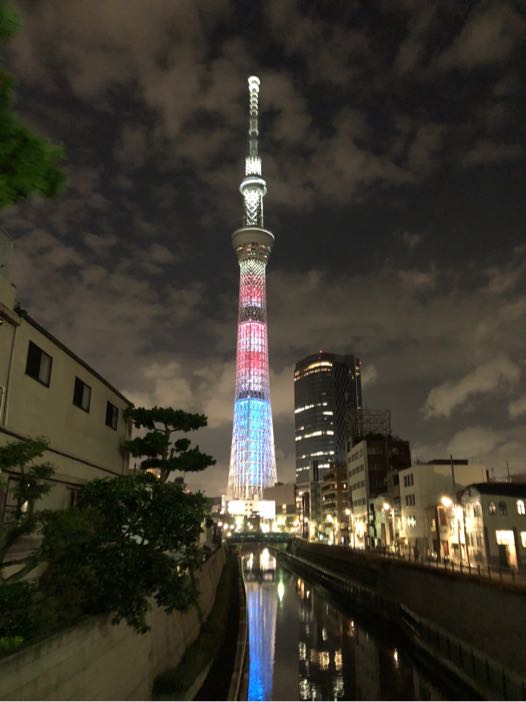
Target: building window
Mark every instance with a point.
(521, 508)
(38, 364)
(492, 507)
(82, 395)
(503, 509)
(112, 415)
(523, 539)
(73, 496)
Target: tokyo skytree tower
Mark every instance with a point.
(252, 459)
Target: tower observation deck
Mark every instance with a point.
(252, 458)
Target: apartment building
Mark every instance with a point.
(369, 463)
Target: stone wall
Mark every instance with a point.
(97, 661)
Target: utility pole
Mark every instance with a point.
(508, 469)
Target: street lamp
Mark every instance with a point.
(302, 514)
(330, 520)
(390, 522)
(348, 515)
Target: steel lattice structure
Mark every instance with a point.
(252, 459)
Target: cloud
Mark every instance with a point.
(490, 152)
(473, 442)
(418, 280)
(424, 151)
(497, 374)
(369, 374)
(492, 32)
(504, 279)
(496, 449)
(413, 48)
(517, 407)
(411, 240)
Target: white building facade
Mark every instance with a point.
(424, 488)
(46, 390)
(495, 524)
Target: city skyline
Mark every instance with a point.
(395, 148)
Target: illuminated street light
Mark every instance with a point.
(446, 501)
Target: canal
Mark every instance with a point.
(303, 646)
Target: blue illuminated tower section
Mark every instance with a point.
(252, 459)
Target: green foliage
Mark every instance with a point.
(157, 444)
(9, 22)
(28, 164)
(128, 539)
(23, 615)
(204, 650)
(33, 484)
(8, 644)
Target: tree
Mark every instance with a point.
(30, 487)
(28, 163)
(128, 539)
(157, 445)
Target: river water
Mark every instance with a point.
(304, 647)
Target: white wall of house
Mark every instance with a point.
(82, 445)
(494, 519)
(421, 487)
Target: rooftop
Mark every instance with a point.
(508, 489)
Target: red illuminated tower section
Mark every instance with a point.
(252, 459)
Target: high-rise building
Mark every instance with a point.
(326, 387)
(252, 459)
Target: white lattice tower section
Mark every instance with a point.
(252, 459)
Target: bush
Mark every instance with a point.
(23, 614)
(129, 539)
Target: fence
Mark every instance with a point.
(508, 575)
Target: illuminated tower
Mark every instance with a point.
(252, 459)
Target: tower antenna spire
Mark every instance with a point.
(253, 187)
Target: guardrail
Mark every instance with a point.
(501, 575)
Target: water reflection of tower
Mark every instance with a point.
(258, 571)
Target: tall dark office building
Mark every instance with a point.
(326, 387)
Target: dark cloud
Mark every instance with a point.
(393, 144)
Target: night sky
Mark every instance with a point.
(393, 145)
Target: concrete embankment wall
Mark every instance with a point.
(98, 661)
(489, 617)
